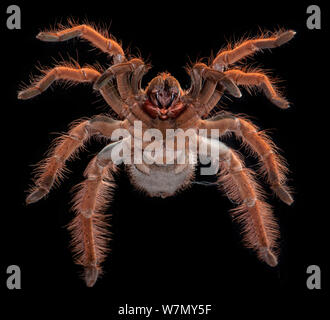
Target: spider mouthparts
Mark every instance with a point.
(163, 111)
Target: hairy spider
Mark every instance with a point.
(163, 105)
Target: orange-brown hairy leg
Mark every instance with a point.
(249, 47)
(86, 32)
(111, 95)
(88, 228)
(260, 80)
(259, 226)
(75, 75)
(212, 101)
(136, 79)
(202, 92)
(272, 164)
(121, 71)
(207, 88)
(217, 77)
(51, 170)
(102, 42)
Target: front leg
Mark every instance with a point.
(121, 72)
(74, 74)
(59, 73)
(212, 77)
(207, 87)
(90, 34)
(259, 80)
(249, 47)
(216, 76)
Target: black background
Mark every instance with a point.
(183, 249)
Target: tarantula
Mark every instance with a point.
(163, 105)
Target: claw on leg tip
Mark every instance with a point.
(91, 275)
(36, 196)
(269, 257)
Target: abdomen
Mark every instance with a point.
(162, 180)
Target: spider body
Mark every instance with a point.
(164, 106)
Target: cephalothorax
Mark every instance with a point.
(163, 105)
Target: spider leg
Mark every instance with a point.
(206, 95)
(88, 228)
(207, 88)
(115, 70)
(249, 47)
(260, 80)
(121, 68)
(111, 95)
(51, 170)
(75, 75)
(88, 33)
(212, 101)
(215, 77)
(121, 72)
(273, 166)
(202, 94)
(259, 227)
(136, 79)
